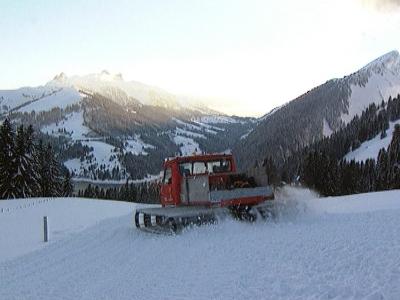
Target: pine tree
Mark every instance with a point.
(383, 134)
(394, 159)
(271, 171)
(89, 192)
(42, 171)
(54, 173)
(67, 187)
(25, 178)
(382, 170)
(7, 161)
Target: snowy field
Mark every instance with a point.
(21, 221)
(327, 248)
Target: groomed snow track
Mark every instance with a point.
(340, 248)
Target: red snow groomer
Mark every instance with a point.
(200, 189)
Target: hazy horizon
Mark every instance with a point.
(246, 57)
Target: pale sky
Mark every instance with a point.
(247, 56)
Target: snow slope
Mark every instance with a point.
(332, 248)
(201, 127)
(11, 99)
(326, 129)
(136, 146)
(102, 154)
(375, 82)
(216, 119)
(21, 221)
(370, 149)
(64, 97)
(186, 145)
(73, 125)
(40, 98)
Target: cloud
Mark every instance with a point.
(382, 5)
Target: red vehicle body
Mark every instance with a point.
(196, 189)
(219, 178)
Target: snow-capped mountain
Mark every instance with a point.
(115, 87)
(110, 129)
(374, 83)
(320, 111)
(63, 91)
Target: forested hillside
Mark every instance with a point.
(324, 167)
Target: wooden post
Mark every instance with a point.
(45, 230)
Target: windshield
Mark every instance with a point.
(201, 167)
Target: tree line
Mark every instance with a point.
(147, 192)
(331, 177)
(28, 167)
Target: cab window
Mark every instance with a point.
(199, 167)
(219, 166)
(167, 176)
(225, 165)
(185, 169)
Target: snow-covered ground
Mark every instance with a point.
(198, 126)
(103, 154)
(246, 134)
(73, 125)
(39, 98)
(180, 131)
(327, 248)
(62, 98)
(216, 119)
(326, 129)
(187, 145)
(370, 149)
(136, 146)
(21, 221)
(209, 128)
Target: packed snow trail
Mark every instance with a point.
(335, 248)
(21, 220)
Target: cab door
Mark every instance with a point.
(166, 188)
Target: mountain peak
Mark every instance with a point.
(389, 61)
(60, 77)
(107, 76)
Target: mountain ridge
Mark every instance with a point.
(320, 111)
(144, 93)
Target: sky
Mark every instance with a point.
(243, 57)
